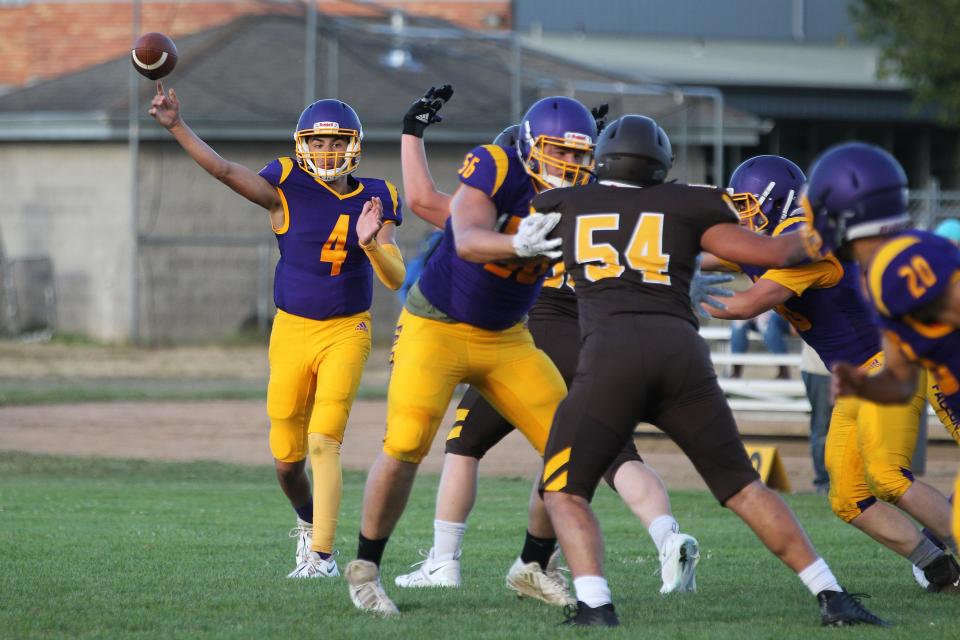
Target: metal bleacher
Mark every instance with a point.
(766, 406)
(756, 394)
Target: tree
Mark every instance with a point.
(919, 41)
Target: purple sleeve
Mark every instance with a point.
(271, 172)
(392, 204)
(481, 171)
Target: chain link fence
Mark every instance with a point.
(930, 206)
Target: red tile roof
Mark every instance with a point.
(41, 40)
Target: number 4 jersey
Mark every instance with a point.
(322, 272)
(633, 250)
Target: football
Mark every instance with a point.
(154, 55)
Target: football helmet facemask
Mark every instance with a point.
(551, 129)
(328, 118)
(765, 190)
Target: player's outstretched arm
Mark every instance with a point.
(421, 193)
(165, 108)
(419, 189)
(730, 241)
(895, 384)
(474, 215)
(763, 295)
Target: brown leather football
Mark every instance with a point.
(154, 55)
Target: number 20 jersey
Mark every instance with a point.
(899, 275)
(322, 272)
(490, 296)
(633, 250)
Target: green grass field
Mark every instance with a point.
(133, 549)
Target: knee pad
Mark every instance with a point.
(847, 509)
(287, 441)
(409, 436)
(329, 418)
(888, 483)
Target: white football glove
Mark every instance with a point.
(531, 237)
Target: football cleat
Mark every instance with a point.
(303, 532)
(678, 563)
(549, 585)
(314, 566)
(841, 609)
(920, 577)
(580, 615)
(366, 591)
(943, 574)
(432, 573)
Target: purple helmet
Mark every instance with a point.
(331, 118)
(508, 137)
(557, 126)
(856, 190)
(765, 189)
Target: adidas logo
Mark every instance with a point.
(362, 326)
(424, 118)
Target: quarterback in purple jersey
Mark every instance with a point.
(334, 231)
(463, 320)
(553, 322)
(869, 448)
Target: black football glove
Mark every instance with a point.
(600, 115)
(424, 111)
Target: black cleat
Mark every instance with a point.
(943, 574)
(841, 609)
(584, 616)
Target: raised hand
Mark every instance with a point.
(165, 109)
(370, 220)
(600, 115)
(425, 111)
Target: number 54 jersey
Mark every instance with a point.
(633, 250)
(322, 272)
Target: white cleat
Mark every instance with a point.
(678, 563)
(920, 577)
(549, 586)
(432, 573)
(316, 567)
(366, 592)
(303, 532)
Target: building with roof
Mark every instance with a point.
(146, 246)
(796, 64)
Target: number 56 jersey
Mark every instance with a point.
(633, 250)
(322, 272)
(493, 296)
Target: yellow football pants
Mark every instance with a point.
(315, 369)
(947, 418)
(869, 450)
(956, 508)
(430, 358)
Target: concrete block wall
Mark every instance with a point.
(71, 202)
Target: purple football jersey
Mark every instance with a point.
(911, 270)
(490, 296)
(322, 272)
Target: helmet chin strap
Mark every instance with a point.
(555, 182)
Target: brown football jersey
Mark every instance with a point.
(634, 250)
